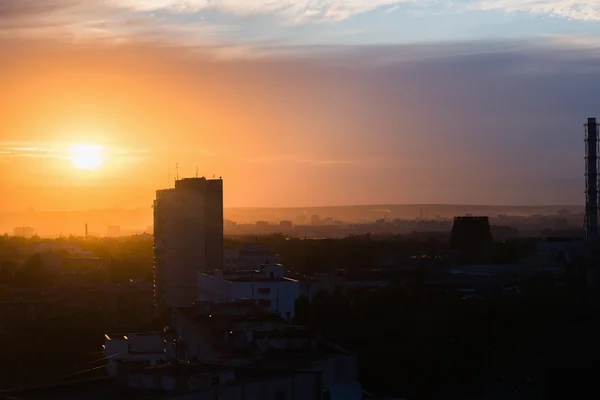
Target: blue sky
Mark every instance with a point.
(307, 22)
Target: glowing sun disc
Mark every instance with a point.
(86, 157)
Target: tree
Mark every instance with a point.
(33, 273)
(302, 311)
(8, 270)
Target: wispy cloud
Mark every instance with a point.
(572, 9)
(295, 159)
(392, 9)
(62, 152)
(290, 10)
(28, 151)
(193, 22)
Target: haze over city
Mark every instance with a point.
(308, 200)
(295, 103)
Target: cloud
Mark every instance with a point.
(28, 8)
(106, 14)
(289, 10)
(572, 9)
(33, 151)
(295, 159)
(61, 152)
(392, 9)
(189, 22)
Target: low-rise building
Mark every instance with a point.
(223, 332)
(146, 349)
(24, 231)
(481, 279)
(286, 226)
(560, 251)
(243, 337)
(267, 286)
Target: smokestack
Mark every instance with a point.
(591, 175)
(86, 231)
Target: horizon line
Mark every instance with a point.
(318, 206)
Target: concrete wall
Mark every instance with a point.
(192, 347)
(148, 347)
(276, 295)
(188, 237)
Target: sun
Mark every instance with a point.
(86, 156)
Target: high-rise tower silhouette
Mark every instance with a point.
(188, 237)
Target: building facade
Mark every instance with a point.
(149, 349)
(188, 238)
(24, 231)
(268, 287)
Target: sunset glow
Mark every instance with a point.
(86, 157)
(336, 103)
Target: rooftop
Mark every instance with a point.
(126, 336)
(218, 316)
(250, 276)
(172, 369)
(259, 279)
(296, 360)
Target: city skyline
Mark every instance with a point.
(96, 116)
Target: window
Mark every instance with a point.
(264, 290)
(264, 303)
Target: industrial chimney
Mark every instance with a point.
(472, 236)
(591, 180)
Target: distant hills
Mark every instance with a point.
(140, 219)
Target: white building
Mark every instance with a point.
(152, 348)
(267, 286)
(249, 256)
(188, 238)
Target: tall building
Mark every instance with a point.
(188, 238)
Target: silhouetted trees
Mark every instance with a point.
(8, 270)
(405, 339)
(33, 274)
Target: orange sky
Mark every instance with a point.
(281, 130)
(151, 108)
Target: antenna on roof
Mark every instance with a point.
(177, 171)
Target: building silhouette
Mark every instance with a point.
(472, 236)
(188, 238)
(24, 231)
(591, 180)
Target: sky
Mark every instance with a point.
(296, 103)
